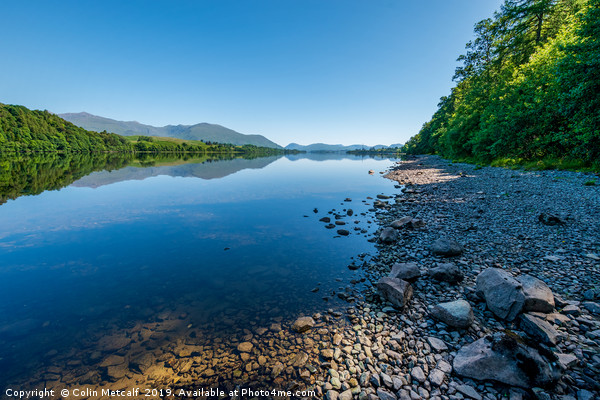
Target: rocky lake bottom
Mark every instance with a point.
(484, 283)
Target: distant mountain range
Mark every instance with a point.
(203, 131)
(322, 147)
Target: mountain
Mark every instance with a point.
(203, 131)
(322, 147)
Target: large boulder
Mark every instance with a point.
(303, 324)
(539, 329)
(446, 247)
(406, 271)
(388, 235)
(446, 272)
(503, 294)
(457, 314)
(538, 296)
(396, 291)
(503, 358)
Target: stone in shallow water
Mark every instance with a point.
(538, 296)
(303, 324)
(406, 271)
(116, 372)
(503, 294)
(396, 291)
(502, 358)
(457, 314)
(111, 360)
(245, 347)
(446, 247)
(112, 343)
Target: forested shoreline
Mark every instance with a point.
(527, 90)
(25, 131)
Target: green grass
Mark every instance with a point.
(159, 139)
(591, 182)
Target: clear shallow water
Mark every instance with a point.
(220, 245)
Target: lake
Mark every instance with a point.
(137, 260)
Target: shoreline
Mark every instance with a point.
(366, 348)
(493, 213)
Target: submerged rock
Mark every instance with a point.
(303, 324)
(503, 294)
(503, 358)
(396, 291)
(245, 347)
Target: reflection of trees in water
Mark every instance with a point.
(34, 174)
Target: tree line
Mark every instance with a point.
(32, 131)
(527, 88)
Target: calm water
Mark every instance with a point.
(220, 244)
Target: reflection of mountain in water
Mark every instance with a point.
(326, 156)
(208, 169)
(32, 175)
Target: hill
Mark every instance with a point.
(203, 131)
(25, 130)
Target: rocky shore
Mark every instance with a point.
(485, 285)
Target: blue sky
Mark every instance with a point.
(305, 71)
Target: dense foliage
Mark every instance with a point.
(24, 130)
(150, 144)
(32, 131)
(528, 88)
